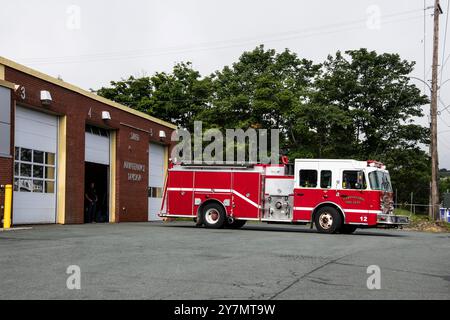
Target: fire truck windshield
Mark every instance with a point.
(380, 180)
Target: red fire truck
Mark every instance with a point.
(337, 196)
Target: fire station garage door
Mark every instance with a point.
(35, 167)
(96, 145)
(155, 180)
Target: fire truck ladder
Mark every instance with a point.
(205, 166)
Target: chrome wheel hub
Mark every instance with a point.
(326, 220)
(212, 216)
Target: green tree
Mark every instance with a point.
(357, 104)
(261, 90)
(374, 91)
(444, 181)
(177, 97)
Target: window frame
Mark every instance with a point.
(300, 178)
(155, 192)
(331, 179)
(18, 177)
(354, 170)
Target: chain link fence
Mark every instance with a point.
(423, 209)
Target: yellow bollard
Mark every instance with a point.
(7, 214)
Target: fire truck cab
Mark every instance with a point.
(337, 196)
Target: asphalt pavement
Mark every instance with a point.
(177, 260)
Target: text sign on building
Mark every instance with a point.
(137, 168)
(134, 136)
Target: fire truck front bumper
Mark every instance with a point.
(390, 220)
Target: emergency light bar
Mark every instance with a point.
(374, 163)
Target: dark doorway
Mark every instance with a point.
(96, 175)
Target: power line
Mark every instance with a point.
(445, 41)
(446, 108)
(444, 142)
(445, 62)
(425, 73)
(444, 105)
(442, 119)
(333, 28)
(424, 42)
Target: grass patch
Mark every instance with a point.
(421, 222)
(402, 212)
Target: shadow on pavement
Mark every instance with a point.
(294, 229)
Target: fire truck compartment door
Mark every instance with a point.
(246, 196)
(180, 193)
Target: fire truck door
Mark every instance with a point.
(353, 197)
(306, 191)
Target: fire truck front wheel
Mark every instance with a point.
(328, 220)
(213, 216)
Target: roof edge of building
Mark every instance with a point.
(6, 84)
(14, 65)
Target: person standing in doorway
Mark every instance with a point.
(92, 199)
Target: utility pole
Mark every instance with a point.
(434, 102)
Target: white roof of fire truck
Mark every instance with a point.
(348, 163)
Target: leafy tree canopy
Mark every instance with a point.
(357, 104)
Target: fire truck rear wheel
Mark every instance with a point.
(213, 216)
(328, 220)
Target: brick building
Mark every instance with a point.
(56, 139)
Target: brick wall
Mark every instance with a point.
(7, 165)
(131, 196)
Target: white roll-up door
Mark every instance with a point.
(155, 180)
(96, 145)
(35, 167)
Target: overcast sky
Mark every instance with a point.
(89, 43)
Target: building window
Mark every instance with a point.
(34, 171)
(97, 131)
(154, 192)
(308, 178)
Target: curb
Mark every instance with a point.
(16, 229)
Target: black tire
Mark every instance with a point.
(213, 216)
(347, 229)
(328, 220)
(236, 224)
